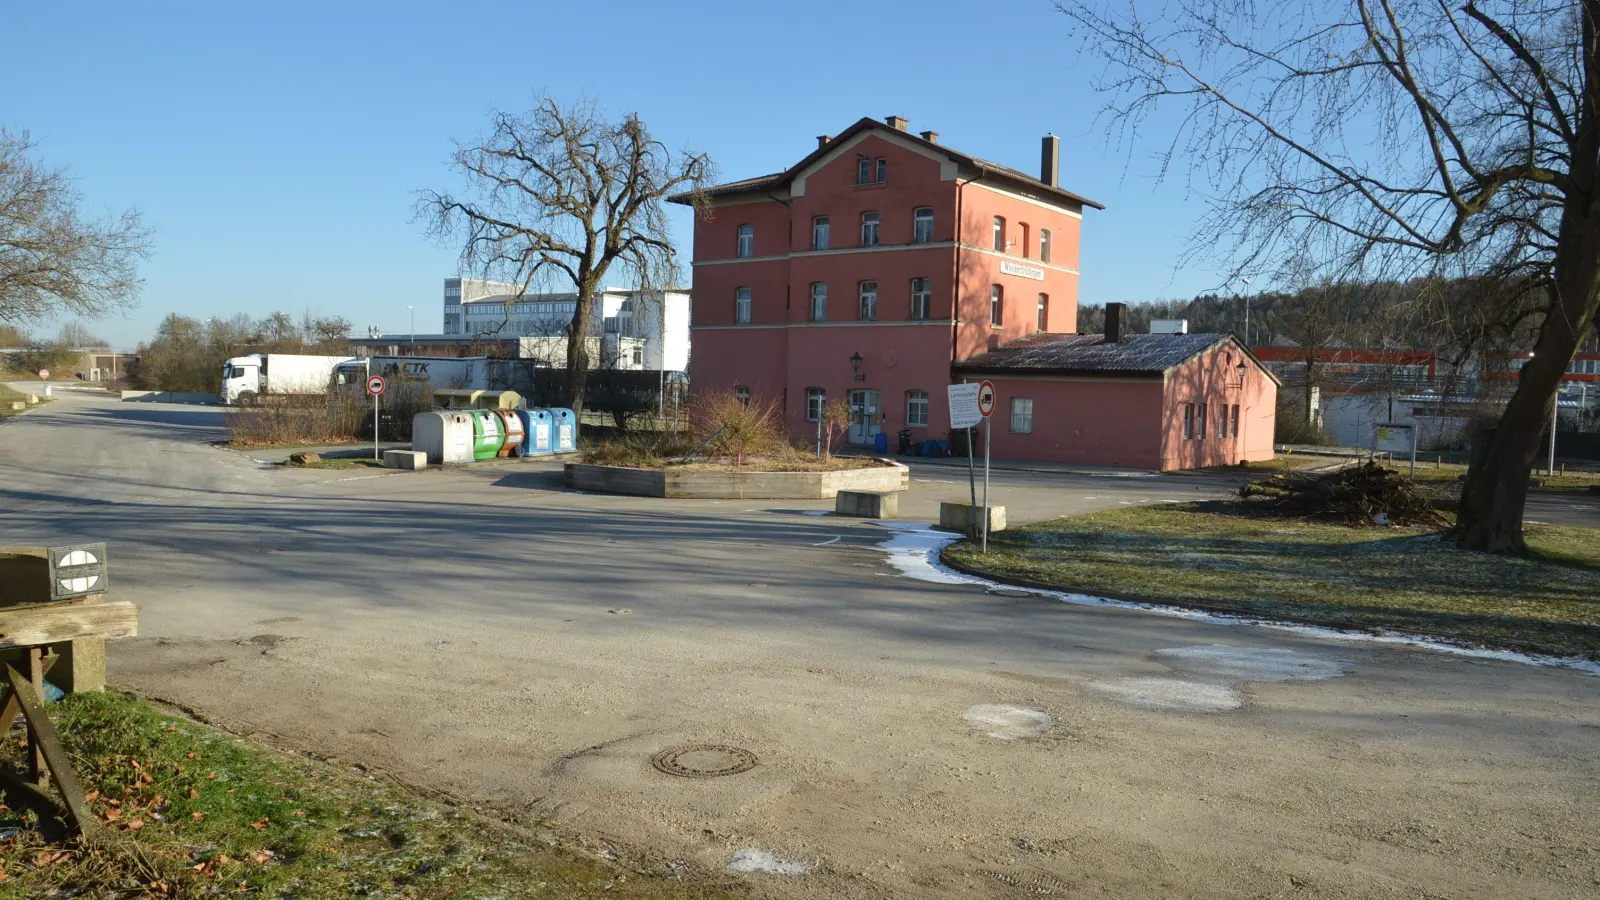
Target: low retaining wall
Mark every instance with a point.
(704, 485)
(167, 397)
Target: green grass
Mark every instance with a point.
(1409, 580)
(9, 396)
(196, 812)
(1574, 481)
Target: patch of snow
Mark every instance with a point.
(1008, 723)
(914, 550)
(1253, 663)
(751, 859)
(1170, 694)
(816, 512)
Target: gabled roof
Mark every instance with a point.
(782, 179)
(1090, 354)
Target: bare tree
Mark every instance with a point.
(559, 196)
(1373, 137)
(54, 259)
(76, 334)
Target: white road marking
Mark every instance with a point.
(834, 540)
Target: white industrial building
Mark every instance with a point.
(635, 329)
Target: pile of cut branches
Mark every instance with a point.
(1364, 494)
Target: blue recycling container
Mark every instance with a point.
(880, 443)
(539, 435)
(564, 430)
(927, 446)
(944, 447)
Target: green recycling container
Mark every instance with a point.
(488, 435)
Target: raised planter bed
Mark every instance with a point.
(701, 484)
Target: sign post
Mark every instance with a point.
(1392, 438)
(986, 407)
(375, 385)
(964, 414)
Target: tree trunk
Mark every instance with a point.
(1496, 490)
(578, 348)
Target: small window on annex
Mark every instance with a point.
(917, 409)
(815, 399)
(1021, 415)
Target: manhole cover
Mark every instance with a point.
(704, 761)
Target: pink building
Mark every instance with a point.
(882, 262)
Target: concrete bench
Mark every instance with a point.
(405, 459)
(962, 516)
(867, 504)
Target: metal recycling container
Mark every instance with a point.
(488, 435)
(511, 424)
(564, 429)
(445, 436)
(537, 425)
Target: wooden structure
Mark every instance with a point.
(54, 619)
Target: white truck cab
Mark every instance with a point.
(241, 381)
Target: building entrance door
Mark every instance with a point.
(865, 422)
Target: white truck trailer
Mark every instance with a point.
(438, 372)
(247, 380)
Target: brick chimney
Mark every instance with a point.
(1114, 322)
(824, 140)
(931, 137)
(898, 123)
(1050, 161)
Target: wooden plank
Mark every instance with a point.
(8, 713)
(41, 769)
(53, 624)
(55, 756)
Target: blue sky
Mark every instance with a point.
(276, 148)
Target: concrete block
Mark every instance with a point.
(961, 516)
(32, 399)
(18, 405)
(867, 504)
(82, 667)
(405, 459)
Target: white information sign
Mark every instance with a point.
(1022, 270)
(1389, 438)
(964, 406)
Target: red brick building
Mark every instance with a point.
(872, 267)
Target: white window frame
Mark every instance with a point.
(1044, 245)
(742, 394)
(916, 409)
(997, 300)
(819, 301)
(882, 166)
(1022, 415)
(1188, 421)
(816, 399)
(867, 306)
(746, 247)
(1044, 312)
(819, 233)
(869, 229)
(864, 171)
(921, 301)
(1200, 421)
(741, 306)
(999, 234)
(922, 225)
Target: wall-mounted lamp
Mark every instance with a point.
(855, 366)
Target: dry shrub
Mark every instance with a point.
(638, 452)
(331, 419)
(1365, 494)
(728, 427)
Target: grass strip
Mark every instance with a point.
(1214, 556)
(197, 812)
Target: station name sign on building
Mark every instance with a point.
(1021, 270)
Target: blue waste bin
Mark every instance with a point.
(880, 443)
(538, 431)
(564, 430)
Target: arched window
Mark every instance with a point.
(999, 234)
(1023, 227)
(1044, 312)
(995, 300)
(1044, 245)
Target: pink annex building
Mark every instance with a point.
(885, 265)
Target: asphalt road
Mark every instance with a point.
(487, 634)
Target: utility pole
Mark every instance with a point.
(413, 328)
(1555, 421)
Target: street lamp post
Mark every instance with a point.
(413, 326)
